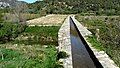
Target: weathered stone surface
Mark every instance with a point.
(64, 43)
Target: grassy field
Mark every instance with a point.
(108, 34)
(34, 48)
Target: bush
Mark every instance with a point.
(62, 54)
(1, 15)
(9, 31)
(44, 35)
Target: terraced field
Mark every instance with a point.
(48, 20)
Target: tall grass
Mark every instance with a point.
(34, 57)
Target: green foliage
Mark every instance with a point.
(32, 55)
(62, 54)
(8, 54)
(1, 15)
(109, 34)
(109, 30)
(113, 53)
(99, 7)
(95, 43)
(107, 7)
(37, 57)
(9, 31)
(51, 56)
(40, 35)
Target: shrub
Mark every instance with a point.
(9, 31)
(62, 54)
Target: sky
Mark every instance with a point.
(28, 1)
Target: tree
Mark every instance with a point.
(1, 15)
(19, 10)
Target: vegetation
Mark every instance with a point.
(17, 12)
(44, 35)
(9, 31)
(62, 54)
(84, 7)
(109, 34)
(8, 17)
(34, 48)
(99, 7)
(26, 47)
(1, 15)
(93, 40)
(35, 56)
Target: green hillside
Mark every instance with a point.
(109, 7)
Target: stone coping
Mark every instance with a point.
(64, 43)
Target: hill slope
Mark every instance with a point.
(7, 3)
(77, 6)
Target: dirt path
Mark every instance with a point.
(48, 20)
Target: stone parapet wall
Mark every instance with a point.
(64, 43)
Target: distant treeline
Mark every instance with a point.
(98, 7)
